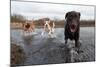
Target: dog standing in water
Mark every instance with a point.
(72, 27)
(49, 28)
(72, 30)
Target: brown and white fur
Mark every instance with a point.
(49, 27)
(28, 27)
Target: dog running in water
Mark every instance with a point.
(49, 28)
(72, 27)
(28, 27)
(72, 31)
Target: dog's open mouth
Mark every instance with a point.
(73, 28)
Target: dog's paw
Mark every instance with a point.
(78, 50)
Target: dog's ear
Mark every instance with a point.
(66, 15)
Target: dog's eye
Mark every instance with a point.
(75, 16)
(71, 15)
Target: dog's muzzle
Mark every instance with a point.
(73, 27)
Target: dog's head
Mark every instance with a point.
(72, 18)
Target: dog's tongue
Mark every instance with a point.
(72, 28)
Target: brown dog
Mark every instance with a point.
(29, 27)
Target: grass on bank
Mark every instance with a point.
(17, 55)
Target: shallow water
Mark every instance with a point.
(85, 32)
(35, 45)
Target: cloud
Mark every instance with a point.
(38, 10)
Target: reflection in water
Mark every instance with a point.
(28, 40)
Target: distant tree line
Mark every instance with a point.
(40, 22)
(61, 23)
(17, 18)
(87, 22)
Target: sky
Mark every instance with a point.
(33, 10)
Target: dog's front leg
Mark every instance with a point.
(77, 43)
(77, 46)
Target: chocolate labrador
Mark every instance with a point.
(72, 27)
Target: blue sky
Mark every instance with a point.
(32, 10)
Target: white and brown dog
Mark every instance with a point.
(49, 28)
